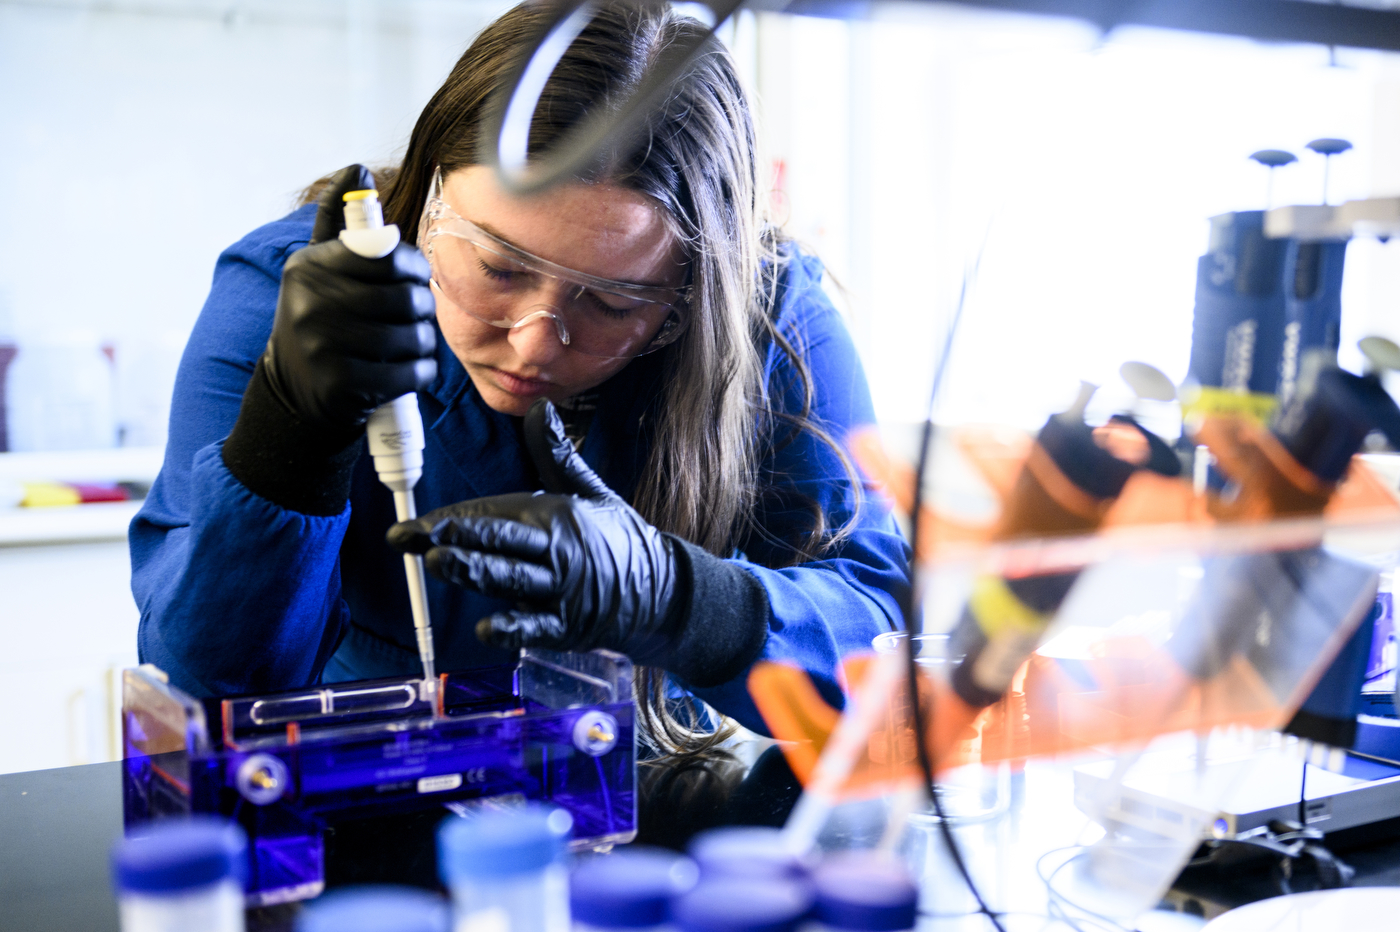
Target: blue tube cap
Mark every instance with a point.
(629, 889)
(866, 891)
(180, 854)
(746, 852)
(501, 844)
(375, 909)
(732, 905)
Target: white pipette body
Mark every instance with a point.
(395, 430)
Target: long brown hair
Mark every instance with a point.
(697, 157)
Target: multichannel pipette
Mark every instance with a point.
(396, 429)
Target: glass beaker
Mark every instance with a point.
(976, 791)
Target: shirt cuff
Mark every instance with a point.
(284, 461)
(725, 622)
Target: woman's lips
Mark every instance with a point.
(518, 385)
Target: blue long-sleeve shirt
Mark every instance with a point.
(239, 595)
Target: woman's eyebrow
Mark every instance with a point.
(486, 227)
(497, 234)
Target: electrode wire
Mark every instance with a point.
(1049, 916)
(1058, 901)
(1303, 794)
(910, 601)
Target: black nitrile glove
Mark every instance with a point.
(349, 334)
(590, 571)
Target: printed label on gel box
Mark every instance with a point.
(447, 781)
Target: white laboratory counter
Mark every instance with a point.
(67, 617)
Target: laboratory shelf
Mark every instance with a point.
(97, 521)
(20, 527)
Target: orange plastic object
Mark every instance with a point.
(1117, 701)
(895, 480)
(1242, 448)
(1114, 691)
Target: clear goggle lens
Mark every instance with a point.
(504, 286)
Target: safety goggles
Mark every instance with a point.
(503, 285)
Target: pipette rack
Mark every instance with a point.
(557, 728)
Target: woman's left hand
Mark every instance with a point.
(589, 569)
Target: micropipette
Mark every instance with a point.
(395, 430)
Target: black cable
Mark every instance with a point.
(1053, 914)
(1303, 795)
(908, 606)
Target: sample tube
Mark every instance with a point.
(180, 875)
(505, 870)
(1072, 476)
(375, 909)
(630, 889)
(1237, 330)
(865, 891)
(1312, 305)
(1292, 469)
(731, 904)
(747, 852)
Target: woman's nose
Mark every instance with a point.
(537, 341)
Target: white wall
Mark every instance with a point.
(142, 138)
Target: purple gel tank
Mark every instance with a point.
(557, 727)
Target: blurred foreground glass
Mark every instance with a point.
(976, 791)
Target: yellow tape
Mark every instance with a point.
(361, 195)
(1204, 401)
(49, 495)
(998, 611)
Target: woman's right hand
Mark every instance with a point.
(350, 333)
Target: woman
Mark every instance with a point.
(702, 375)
